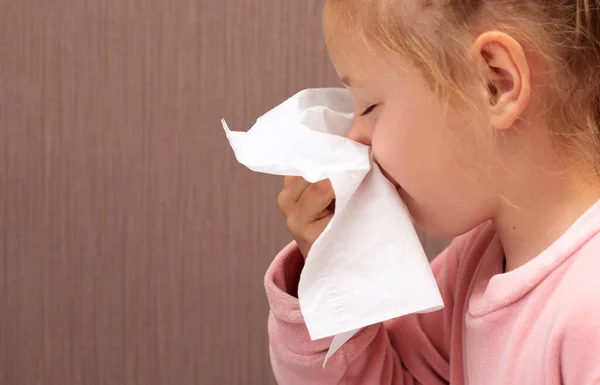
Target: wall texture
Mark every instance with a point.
(132, 246)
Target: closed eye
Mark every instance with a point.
(369, 110)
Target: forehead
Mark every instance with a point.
(382, 22)
(356, 39)
(373, 13)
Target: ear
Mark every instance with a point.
(503, 63)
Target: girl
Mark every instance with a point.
(486, 116)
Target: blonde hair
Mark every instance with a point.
(564, 33)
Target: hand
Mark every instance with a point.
(307, 208)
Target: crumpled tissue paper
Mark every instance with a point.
(368, 265)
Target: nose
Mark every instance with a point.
(359, 134)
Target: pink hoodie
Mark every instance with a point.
(539, 324)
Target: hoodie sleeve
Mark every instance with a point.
(413, 349)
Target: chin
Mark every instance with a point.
(436, 231)
(436, 226)
(430, 221)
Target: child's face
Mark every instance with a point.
(442, 170)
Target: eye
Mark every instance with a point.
(369, 110)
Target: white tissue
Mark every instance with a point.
(368, 266)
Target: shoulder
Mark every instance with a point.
(579, 286)
(578, 323)
(579, 341)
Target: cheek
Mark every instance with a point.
(411, 147)
(429, 155)
(409, 139)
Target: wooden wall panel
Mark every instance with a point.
(133, 247)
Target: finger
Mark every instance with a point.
(321, 223)
(313, 206)
(315, 231)
(293, 187)
(316, 199)
(329, 211)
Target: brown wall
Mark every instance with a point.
(132, 246)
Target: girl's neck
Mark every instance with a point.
(540, 214)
